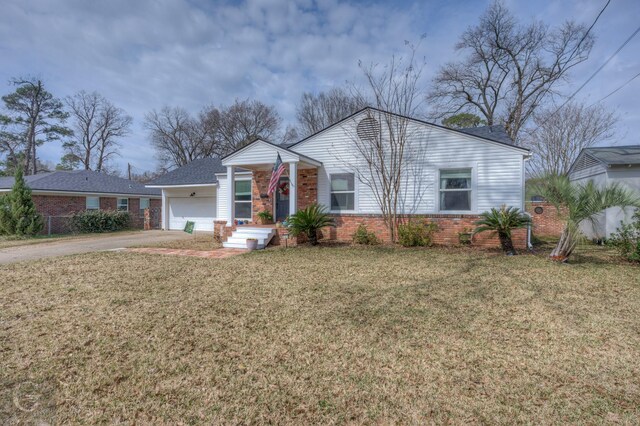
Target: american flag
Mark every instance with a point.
(278, 170)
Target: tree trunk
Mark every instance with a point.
(565, 246)
(313, 237)
(506, 243)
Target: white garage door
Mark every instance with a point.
(201, 210)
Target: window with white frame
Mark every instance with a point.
(455, 190)
(123, 204)
(93, 203)
(343, 193)
(144, 204)
(242, 199)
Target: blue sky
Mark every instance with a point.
(145, 54)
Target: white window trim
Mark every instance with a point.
(355, 192)
(118, 204)
(474, 188)
(250, 201)
(86, 203)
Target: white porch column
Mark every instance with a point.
(165, 211)
(231, 206)
(293, 188)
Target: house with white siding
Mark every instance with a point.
(450, 177)
(604, 166)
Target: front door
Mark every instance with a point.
(282, 199)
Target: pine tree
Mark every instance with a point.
(18, 215)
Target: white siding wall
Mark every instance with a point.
(222, 194)
(630, 178)
(259, 153)
(497, 169)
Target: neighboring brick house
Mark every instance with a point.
(455, 175)
(58, 195)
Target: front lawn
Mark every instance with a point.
(320, 335)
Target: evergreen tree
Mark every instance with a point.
(18, 215)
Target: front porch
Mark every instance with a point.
(297, 187)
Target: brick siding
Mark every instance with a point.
(549, 222)
(449, 228)
(61, 207)
(307, 193)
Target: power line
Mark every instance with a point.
(615, 91)
(596, 72)
(590, 28)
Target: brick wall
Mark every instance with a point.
(259, 187)
(61, 207)
(548, 222)
(108, 203)
(449, 227)
(307, 190)
(307, 187)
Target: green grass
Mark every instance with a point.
(321, 335)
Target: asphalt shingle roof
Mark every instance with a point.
(494, 133)
(81, 181)
(616, 154)
(200, 171)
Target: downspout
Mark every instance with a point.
(529, 245)
(524, 204)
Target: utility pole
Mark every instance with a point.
(129, 170)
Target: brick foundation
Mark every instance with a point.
(548, 222)
(449, 228)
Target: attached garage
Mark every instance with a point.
(200, 210)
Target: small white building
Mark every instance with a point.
(604, 166)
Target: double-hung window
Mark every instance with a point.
(93, 203)
(243, 199)
(343, 194)
(455, 190)
(123, 204)
(144, 204)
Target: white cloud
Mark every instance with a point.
(146, 54)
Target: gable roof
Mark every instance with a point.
(197, 172)
(489, 133)
(81, 181)
(494, 133)
(612, 155)
(282, 148)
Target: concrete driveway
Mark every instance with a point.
(87, 244)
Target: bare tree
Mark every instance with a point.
(35, 117)
(245, 121)
(175, 136)
(98, 125)
(509, 70)
(315, 112)
(559, 135)
(385, 158)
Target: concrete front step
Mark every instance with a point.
(238, 238)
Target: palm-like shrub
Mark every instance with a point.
(503, 221)
(309, 221)
(582, 203)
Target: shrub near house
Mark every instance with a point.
(18, 215)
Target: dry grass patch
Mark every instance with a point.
(317, 335)
(198, 241)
